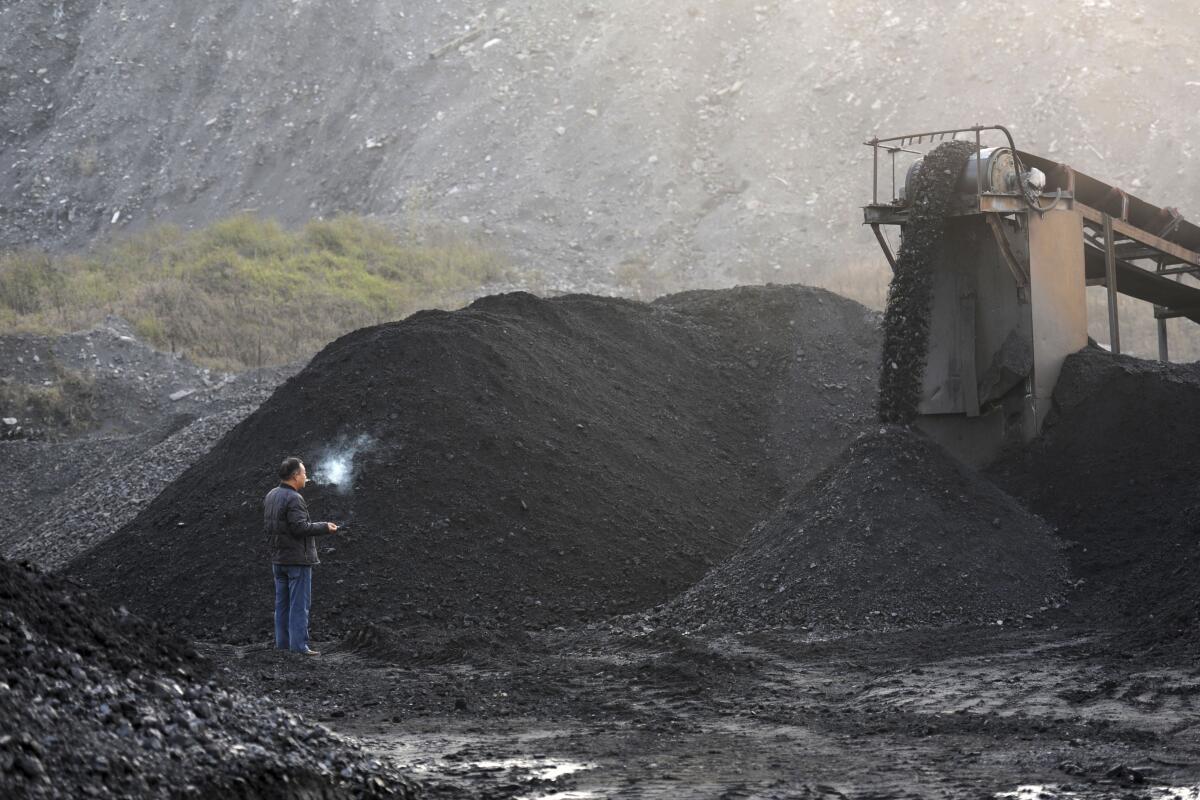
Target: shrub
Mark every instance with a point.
(244, 292)
(24, 279)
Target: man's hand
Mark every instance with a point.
(331, 526)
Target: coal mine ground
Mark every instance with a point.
(603, 548)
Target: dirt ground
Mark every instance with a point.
(1045, 712)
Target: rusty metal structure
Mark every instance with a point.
(1025, 238)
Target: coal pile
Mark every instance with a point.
(95, 702)
(1114, 471)
(896, 533)
(115, 494)
(910, 295)
(812, 403)
(527, 462)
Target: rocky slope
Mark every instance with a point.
(703, 143)
(112, 493)
(151, 415)
(133, 388)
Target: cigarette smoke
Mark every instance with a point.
(336, 464)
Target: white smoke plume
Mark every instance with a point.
(336, 464)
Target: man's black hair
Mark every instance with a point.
(289, 467)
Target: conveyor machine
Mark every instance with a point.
(1024, 239)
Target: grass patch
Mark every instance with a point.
(244, 292)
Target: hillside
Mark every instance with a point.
(664, 145)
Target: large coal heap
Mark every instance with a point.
(910, 295)
(896, 533)
(1115, 470)
(95, 702)
(530, 462)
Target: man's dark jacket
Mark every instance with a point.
(290, 534)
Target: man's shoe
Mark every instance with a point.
(309, 653)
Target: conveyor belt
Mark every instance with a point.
(1166, 225)
(1120, 204)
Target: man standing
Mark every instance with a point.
(292, 538)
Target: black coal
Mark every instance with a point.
(1115, 471)
(906, 320)
(95, 702)
(894, 534)
(535, 462)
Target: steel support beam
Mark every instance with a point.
(1172, 313)
(883, 244)
(1188, 270)
(1164, 353)
(1184, 255)
(1110, 281)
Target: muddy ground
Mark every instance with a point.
(631, 712)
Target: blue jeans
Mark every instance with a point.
(293, 595)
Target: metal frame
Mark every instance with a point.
(1109, 228)
(917, 138)
(1157, 245)
(875, 143)
(1110, 283)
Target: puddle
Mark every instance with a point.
(1034, 792)
(530, 770)
(533, 773)
(477, 760)
(536, 770)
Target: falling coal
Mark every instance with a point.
(906, 319)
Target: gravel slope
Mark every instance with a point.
(154, 415)
(112, 493)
